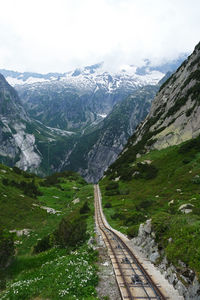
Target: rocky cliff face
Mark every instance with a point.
(116, 130)
(17, 146)
(174, 115)
(95, 151)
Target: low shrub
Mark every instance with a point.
(17, 170)
(161, 223)
(146, 171)
(144, 204)
(132, 231)
(134, 218)
(6, 247)
(196, 179)
(124, 191)
(42, 245)
(112, 193)
(71, 231)
(112, 186)
(108, 205)
(85, 208)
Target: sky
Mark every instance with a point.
(61, 35)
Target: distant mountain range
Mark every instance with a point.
(78, 120)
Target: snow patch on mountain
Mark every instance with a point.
(16, 81)
(90, 79)
(102, 115)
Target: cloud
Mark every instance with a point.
(59, 35)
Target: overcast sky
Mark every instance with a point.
(60, 35)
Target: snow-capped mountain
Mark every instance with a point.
(76, 119)
(77, 99)
(89, 78)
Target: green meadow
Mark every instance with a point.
(44, 264)
(156, 186)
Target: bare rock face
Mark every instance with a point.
(17, 145)
(115, 131)
(174, 114)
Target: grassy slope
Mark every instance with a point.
(140, 199)
(56, 273)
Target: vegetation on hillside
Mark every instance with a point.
(164, 186)
(44, 228)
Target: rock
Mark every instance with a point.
(148, 162)
(163, 264)
(21, 232)
(186, 208)
(147, 226)
(91, 242)
(172, 278)
(186, 211)
(117, 178)
(75, 201)
(181, 288)
(171, 202)
(194, 290)
(154, 256)
(135, 173)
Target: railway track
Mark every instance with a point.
(132, 278)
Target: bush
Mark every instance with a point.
(17, 170)
(85, 208)
(108, 205)
(112, 186)
(42, 245)
(71, 231)
(30, 189)
(189, 146)
(134, 218)
(6, 248)
(132, 231)
(161, 223)
(112, 193)
(5, 181)
(144, 204)
(118, 215)
(124, 191)
(196, 179)
(126, 173)
(147, 171)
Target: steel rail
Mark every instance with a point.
(158, 294)
(98, 215)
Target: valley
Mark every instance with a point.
(141, 143)
(75, 120)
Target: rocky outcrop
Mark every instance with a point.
(174, 115)
(17, 145)
(183, 279)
